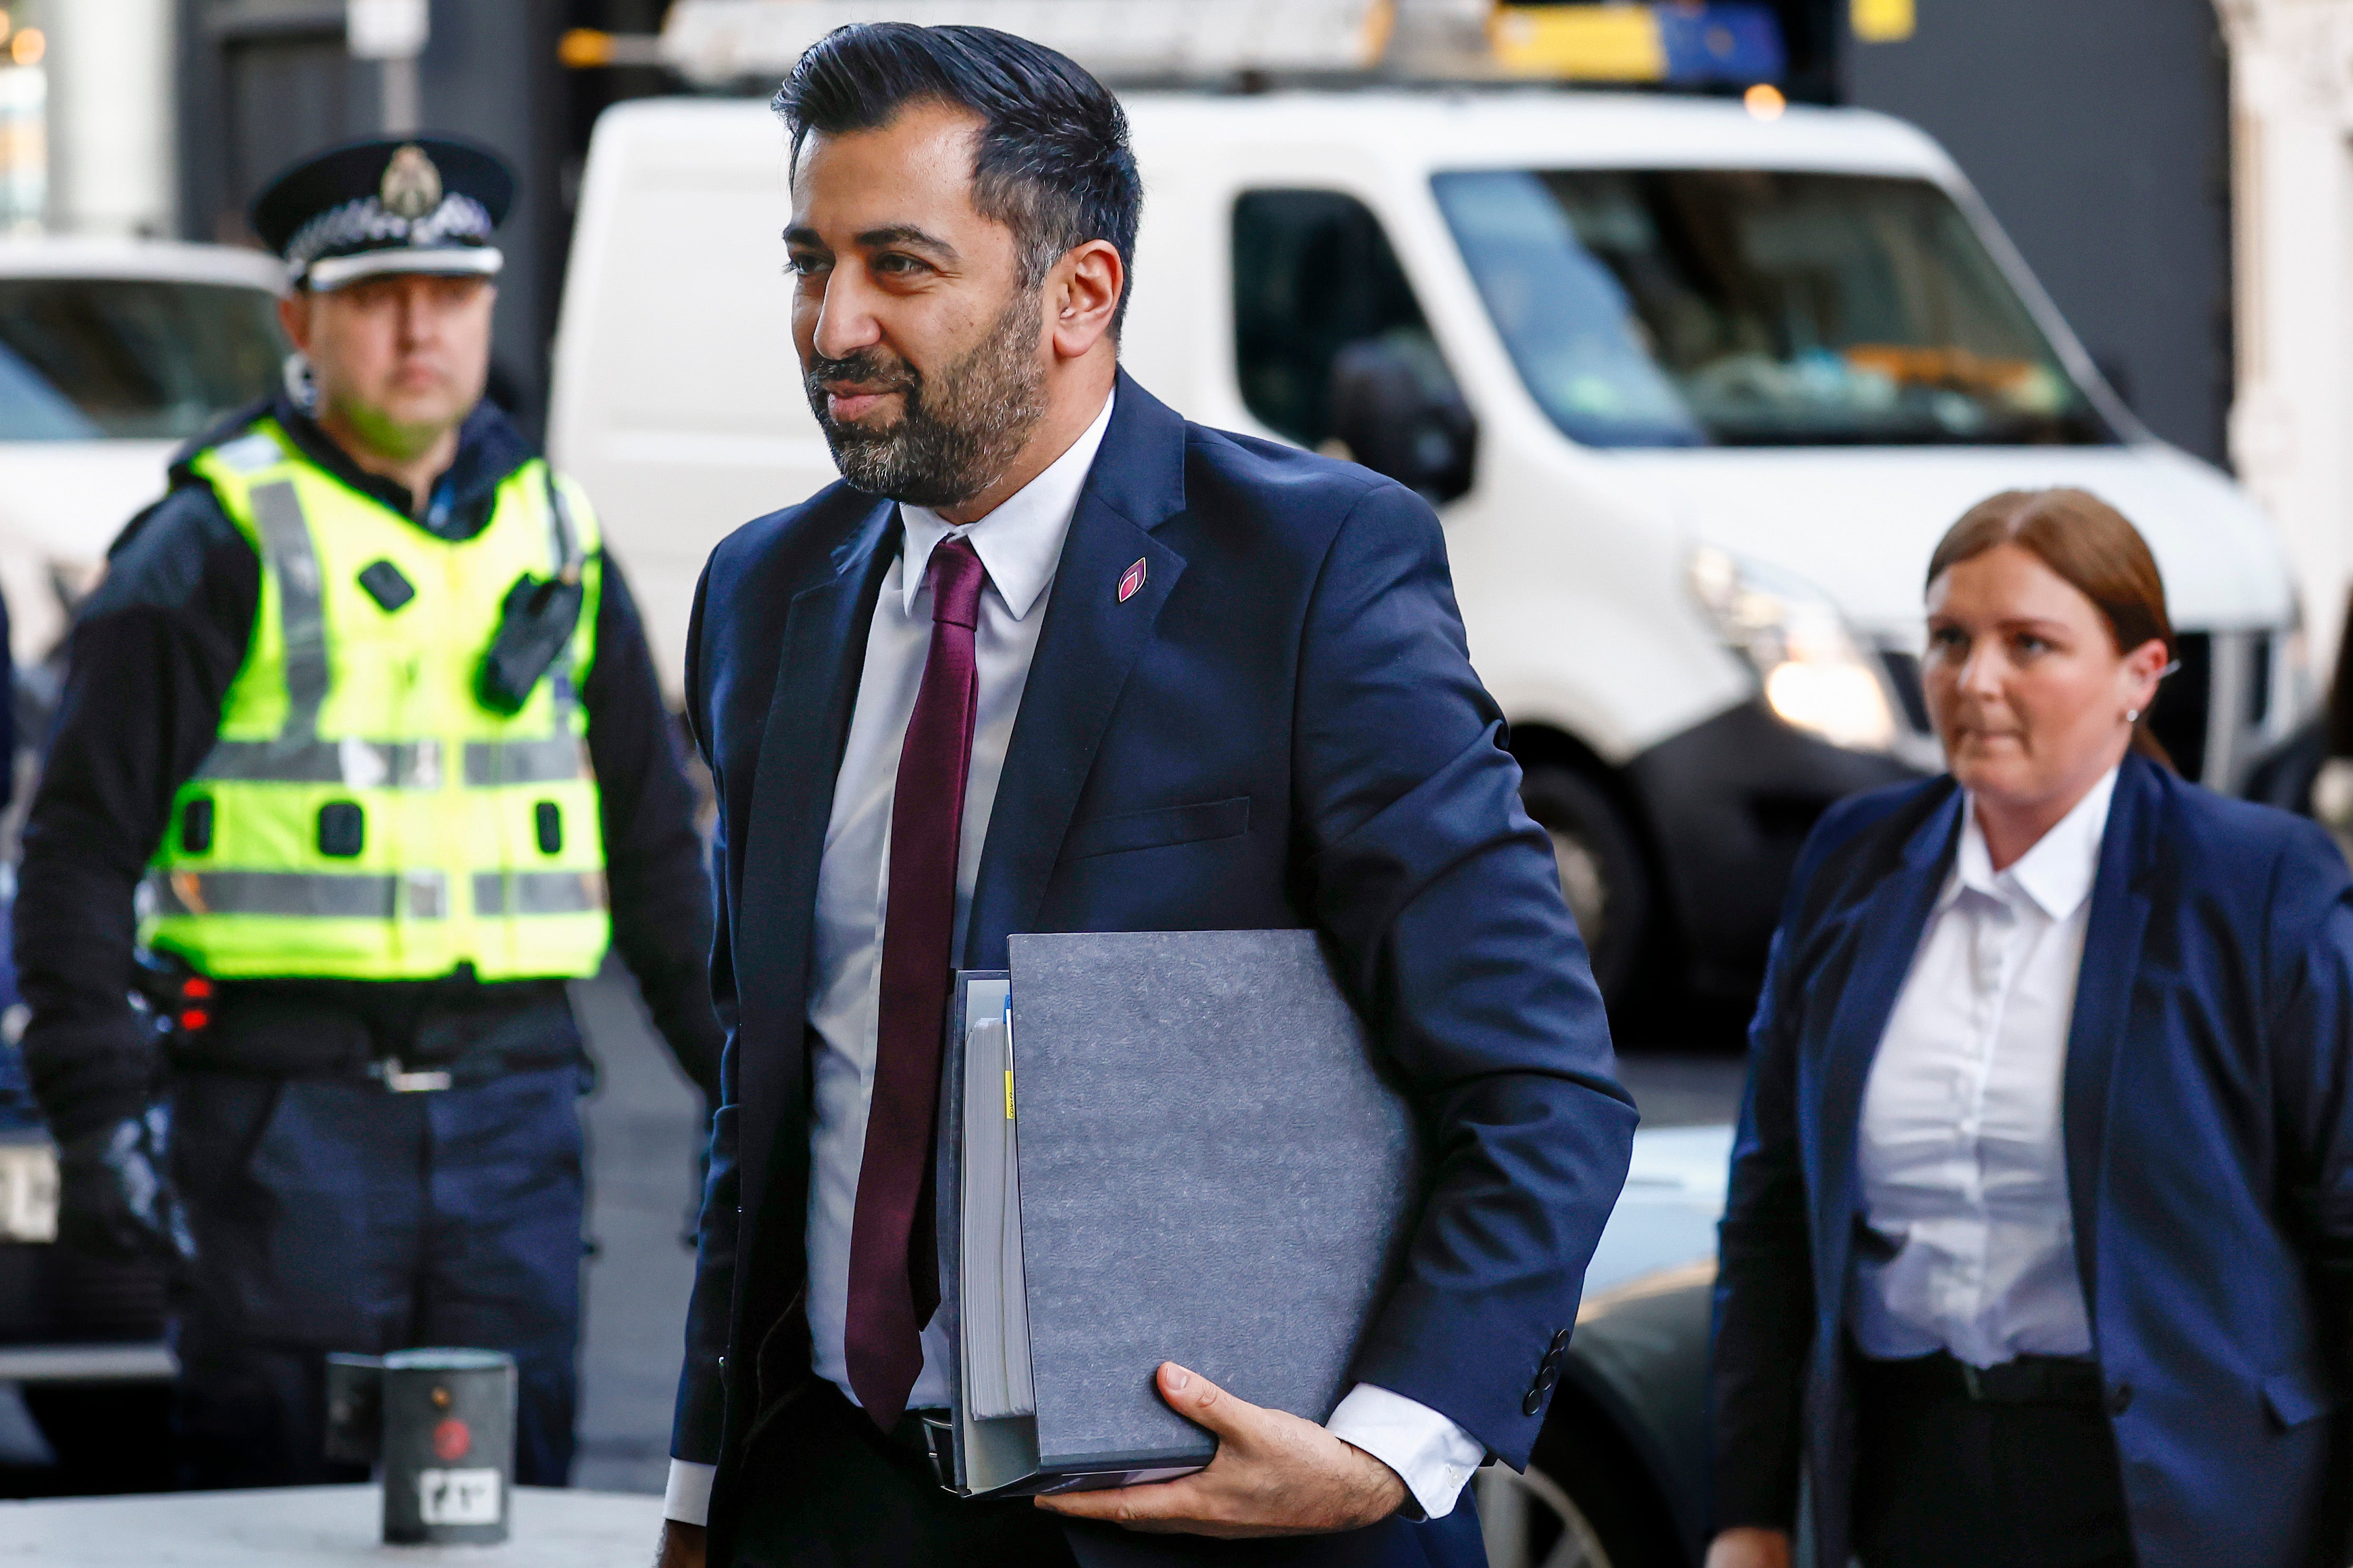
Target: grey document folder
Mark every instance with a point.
(1157, 1146)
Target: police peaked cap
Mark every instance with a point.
(388, 204)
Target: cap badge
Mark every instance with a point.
(411, 186)
(1130, 581)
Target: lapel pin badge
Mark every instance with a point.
(1130, 580)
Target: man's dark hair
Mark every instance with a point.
(1053, 164)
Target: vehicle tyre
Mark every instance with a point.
(106, 1438)
(1529, 1523)
(1601, 873)
(1585, 1502)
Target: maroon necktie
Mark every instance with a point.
(894, 1276)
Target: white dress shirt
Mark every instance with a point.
(1962, 1156)
(1019, 543)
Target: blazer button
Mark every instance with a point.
(1560, 1341)
(2120, 1398)
(1532, 1402)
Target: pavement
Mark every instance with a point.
(645, 1135)
(318, 1527)
(644, 1129)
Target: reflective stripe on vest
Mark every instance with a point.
(303, 893)
(361, 816)
(537, 893)
(410, 764)
(286, 534)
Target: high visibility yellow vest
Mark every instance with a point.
(362, 816)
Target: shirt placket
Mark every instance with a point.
(1993, 945)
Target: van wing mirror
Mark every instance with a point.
(1395, 408)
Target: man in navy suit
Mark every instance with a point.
(1055, 659)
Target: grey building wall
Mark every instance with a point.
(2098, 130)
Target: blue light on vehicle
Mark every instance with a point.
(1734, 43)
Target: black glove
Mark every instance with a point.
(115, 1197)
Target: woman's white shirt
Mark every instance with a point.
(1962, 1158)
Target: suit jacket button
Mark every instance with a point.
(1560, 1341)
(1532, 1402)
(2120, 1398)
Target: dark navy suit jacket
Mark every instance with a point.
(2209, 1150)
(1280, 729)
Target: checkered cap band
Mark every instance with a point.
(364, 225)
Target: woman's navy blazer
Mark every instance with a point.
(2207, 1115)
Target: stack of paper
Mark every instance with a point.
(997, 1301)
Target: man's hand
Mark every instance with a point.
(680, 1546)
(115, 1198)
(1747, 1547)
(1274, 1474)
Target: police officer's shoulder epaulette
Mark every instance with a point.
(251, 454)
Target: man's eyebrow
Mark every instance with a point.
(907, 234)
(801, 234)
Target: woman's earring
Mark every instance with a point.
(301, 387)
(2132, 715)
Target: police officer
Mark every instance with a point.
(363, 724)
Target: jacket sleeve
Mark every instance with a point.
(1764, 1282)
(1445, 902)
(149, 660)
(698, 1423)
(653, 855)
(2308, 1040)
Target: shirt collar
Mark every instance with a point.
(1020, 543)
(2056, 873)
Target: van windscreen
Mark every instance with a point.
(84, 359)
(1752, 308)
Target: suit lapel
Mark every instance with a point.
(1890, 923)
(2103, 988)
(1085, 652)
(823, 652)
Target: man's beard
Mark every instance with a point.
(959, 431)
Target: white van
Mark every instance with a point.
(112, 352)
(1695, 391)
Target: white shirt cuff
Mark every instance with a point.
(687, 1499)
(1430, 1453)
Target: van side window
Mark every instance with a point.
(1313, 274)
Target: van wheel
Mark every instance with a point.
(1530, 1523)
(1585, 1502)
(1601, 873)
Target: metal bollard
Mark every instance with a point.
(441, 1423)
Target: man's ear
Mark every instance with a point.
(1083, 297)
(294, 316)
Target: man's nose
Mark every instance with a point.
(415, 324)
(844, 318)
